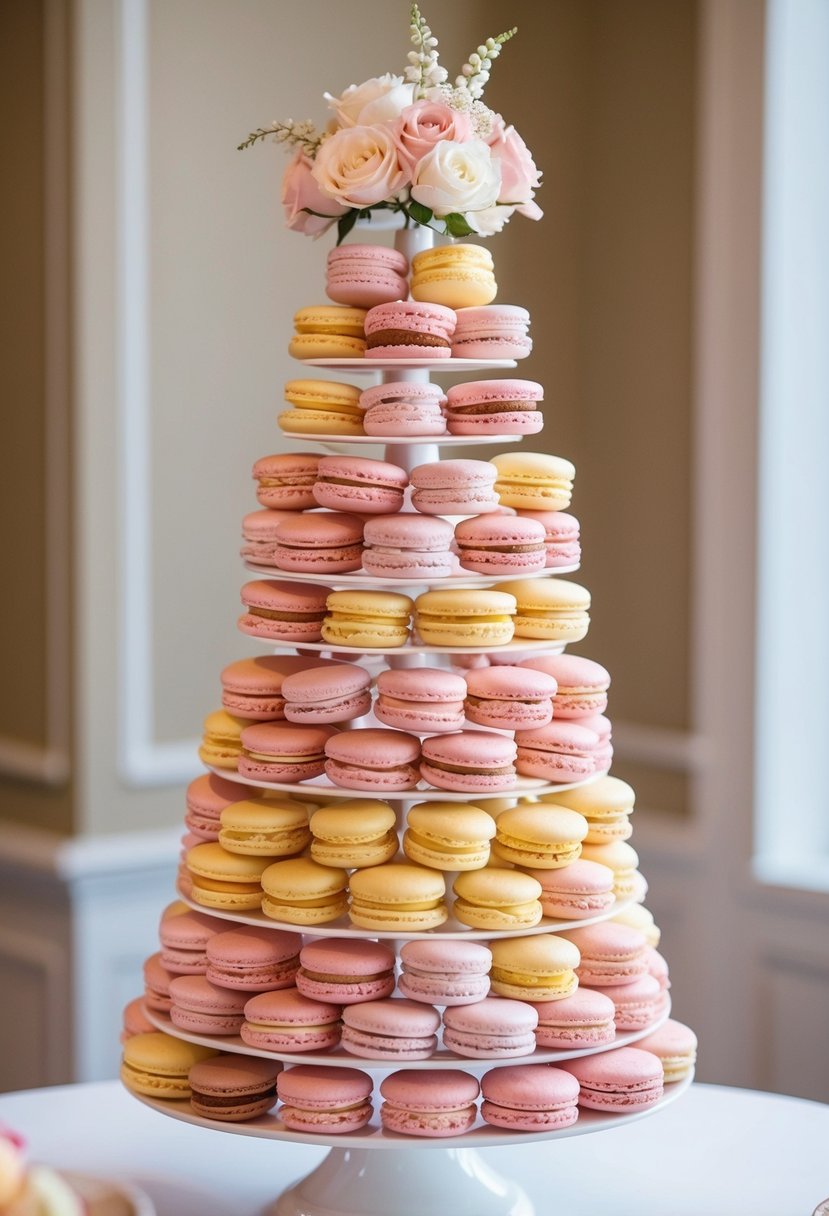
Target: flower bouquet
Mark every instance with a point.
(414, 144)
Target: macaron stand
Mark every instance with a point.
(374, 1172)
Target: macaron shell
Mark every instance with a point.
(440, 1102)
(626, 1079)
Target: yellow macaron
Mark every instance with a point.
(157, 1065)
(397, 897)
(457, 276)
(221, 745)
(445, 836)
(495, 898)
(533, 481)
(354, 833)
(371, 620)
(606, 804)
(637, 916)
(622, 859)
(328, 331)
(265, 827)
(549, 608)
(321, 407)
(229, 882)
(474, 618)
(540, 837)
(302, 892)
(539, 968)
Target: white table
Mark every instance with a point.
(716, 1152)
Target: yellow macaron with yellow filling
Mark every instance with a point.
(533, 481)
(606, 804)
(302, 892)
(622, 859)
(397, 896)
(445, 836)
(495, 898)
(474, 618)
(540, 837)
(372, 620)
(457, 276)
(221, 745)
(228, 882)
(539, 968)
(552, 609)
(157, 1066)
(321, 407)
(329, 331)
(265, 827)
(353, 833)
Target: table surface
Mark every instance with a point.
(717, 1151)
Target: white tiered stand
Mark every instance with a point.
(454, 1180)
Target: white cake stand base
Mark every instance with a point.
(446, 1182)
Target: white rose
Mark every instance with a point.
(360, 166)
(460, 177)
(489, 221)
(375, 100)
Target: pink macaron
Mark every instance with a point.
(637, 1004)
(658, 968)
(285, 482)
(320, 542)
(440, 972)
(249, 959)
(500, 544)
(200, 1007)
(585, 1019)
(345, 971)
(427, 700)
(511, 698)
(252, 688)
(283, 612)
(184, 941)
(354, 483)
(233, 1088)
(409, 330)
(283, 751)
(454, 487)
(134, 1020)
(492, 331)
(560, 751)
(582, 684)
(288, 1021)
(610, 954)
(441, 1102)
(403, 408)
(324, 1100)
(492, 1029)
(335, 693)
(494, 407)
(601, 725)
(620, 1081)
(576, 891)
(410, 546)
(470, 761)
(374, 759)
(206, 798)
(157, 980)
(561, 537)
(529, 1098)
(366, 275)
(390, 1029)
(259, 535)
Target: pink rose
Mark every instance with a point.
(421, 125)
(360, 166)
(519, 176)
(299, 190)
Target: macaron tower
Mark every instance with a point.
(377, 871)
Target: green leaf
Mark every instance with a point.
(345, 223)
(419, 213)
(456, 225)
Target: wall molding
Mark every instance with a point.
(659, 746)
(78, 859)
(45, 959)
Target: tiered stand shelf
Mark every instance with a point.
(454, 1180)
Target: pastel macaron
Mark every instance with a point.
(639, 917)
(509, 698)
(427, 700)
(300, 891)
(622, 859)
(459, 276)
(492, 331)
(583, 1019)
(540, 968)
(365, 275)
(326, 1100)
(534, 481)
(408, 329)
(471, 761)
(206, 798)
(354, 833)
(473, 618)
(335, 693)
(319, 542)
(259, 535)
(529, 1098)
(346, 971)
(199, 1007)
(285, 482)
(328, 331)
(495, 407)
(539, 837)
(403, 408)
(374, 759)
(367, 620)
(221, 744)
(607, 805)
(675, 1046)
(492, 1029)
(582, 683)
(287, 1021)
(280, 611)
(496, 899)
(321, 407)
(227, 882)
(157, 980)
(134, 1020)
(610, 954)
(445, 836)
(157, 1066)
(265, 827)
(249, 959)
(576, 891)
(620, 1081)
(445, 972)
(437, 1103)
(392, 1029)
(638, 1004)
(559, 752)
(283, 751)
(355, 483)
(454, 487)
(500, 545)
(562, 532)
(549, 608)
(397, 896)
(233, 1088)
(411, 546)
(184, 941)
(252, 688)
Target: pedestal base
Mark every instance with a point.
(403, 1182)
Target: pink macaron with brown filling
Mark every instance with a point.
(232, 1088)
(494, 407)
(279, 611)
(285, 482)
(510, 698)
(283, 751)
(354, 483)
(427, 700)
(500, 544)
(319, 542)
(373, 759)
(560, 751)
(326, 1100)
(335, 693)
(252, 688)
(345, 971)
(470, 761)
(410, 546)
(582, 683)
(408, 329)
